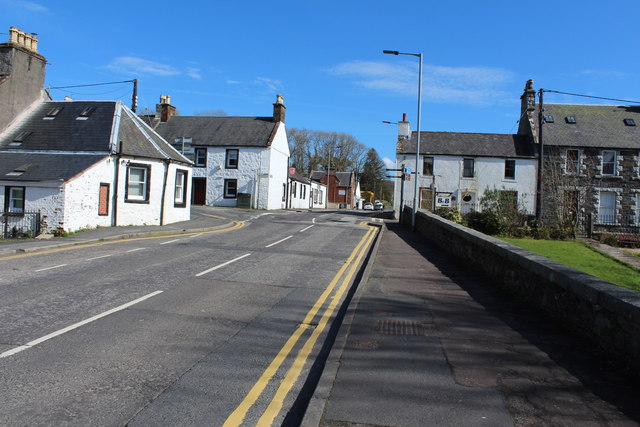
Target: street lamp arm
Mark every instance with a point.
(395, 52)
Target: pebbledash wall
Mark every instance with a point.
(81, 197)
(605, 314)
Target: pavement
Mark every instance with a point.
(428, 342)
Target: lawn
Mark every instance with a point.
(579, 256)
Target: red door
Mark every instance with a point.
(199, 191)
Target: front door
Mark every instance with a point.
(426, 199)
(199, 191)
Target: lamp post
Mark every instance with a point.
(416, 187)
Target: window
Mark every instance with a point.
(14, 199)
(510, 169)
(103, 200)
(284, 192)
(629, 122)
(22, 136)
(467, 168)
(180, 199)
(609, 163)
(52, 113)
(230, 188)
(572, 162)
(84, 114)
(638, 208)
(570, 120)
(200, 157)
(137, 187)
(607, 207)
(231, 161)
(293, 190)
(427, 166)
(549, 119)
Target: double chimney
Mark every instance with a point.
(164, 110)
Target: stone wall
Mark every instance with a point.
(605, 314)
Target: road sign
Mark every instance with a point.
(443, 200)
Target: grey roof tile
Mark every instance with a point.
(45, 166)
(470, 144)
(597, 126)
(219, 131)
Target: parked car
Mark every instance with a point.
(367, 206)
(378, 206)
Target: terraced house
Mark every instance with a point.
(591, 162)
(68, 165)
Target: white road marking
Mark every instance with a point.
(170, 241)
(98, 257)
(75, 326)
(137, 249)
(313, 220)
(279, 241)
(305, 229)
(222, 265)
(195, 235)
(51, 268)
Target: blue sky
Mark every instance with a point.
(326, 57)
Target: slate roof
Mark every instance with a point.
(344, 178)
(470, 144)
(220, 131)
(74, 145)
(44, 166)
(597, 126)
(297, 177)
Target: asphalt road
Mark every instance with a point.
(197, 329)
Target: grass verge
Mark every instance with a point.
(581, 257)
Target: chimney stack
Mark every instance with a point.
(279, 109)
(528, 98)
(164, 110)
(404, 133)
(19, 38)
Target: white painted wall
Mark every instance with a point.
(262, 172)
(321, 190)
(46, 197)
(300, 195)
(81, 196)
(489, 174)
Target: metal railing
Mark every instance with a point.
(19, 225)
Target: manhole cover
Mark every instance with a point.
(401, 327)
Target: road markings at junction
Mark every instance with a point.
(76, 325)
(306, 228)
(98, 257)
(279, 241)
(238, 415)
(170, 241)
(222, 265)
(51, 268)
(136, 249)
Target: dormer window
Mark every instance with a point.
(84, 114)
(549, 119)
(22, 136)
(52, 113)
(629, 122)
(570, 120)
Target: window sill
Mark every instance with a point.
(143, 202)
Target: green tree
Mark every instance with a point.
(373, 173)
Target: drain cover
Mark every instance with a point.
(401, 327)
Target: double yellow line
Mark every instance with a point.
(273, 409)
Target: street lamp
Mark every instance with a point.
(416, 188)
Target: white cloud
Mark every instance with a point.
(233, 82)
(465, 85)
(132, 65)
(271, 84)
(391, 164)
(31, 6)
(194, 73)
(604, 74)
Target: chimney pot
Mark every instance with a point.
(164, 110)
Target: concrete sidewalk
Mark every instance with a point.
(428, 342)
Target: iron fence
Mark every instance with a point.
(611, 223)
(19, 225)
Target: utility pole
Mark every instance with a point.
(540, 186)
(134, 97)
